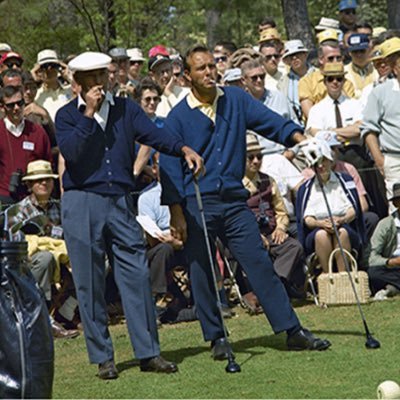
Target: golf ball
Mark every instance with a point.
(388, 390)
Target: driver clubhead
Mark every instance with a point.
(372, 343)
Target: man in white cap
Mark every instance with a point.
(51, 95)
(96, 134)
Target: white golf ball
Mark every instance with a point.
(388, 390)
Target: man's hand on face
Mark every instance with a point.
(93, 99)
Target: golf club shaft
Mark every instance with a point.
(345, 260)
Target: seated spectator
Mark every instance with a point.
(21, 141)
(46, 249)
(267, 204)
(233, 77)
(314, 226)
(384, 259)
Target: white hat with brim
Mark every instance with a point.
(135, 54)
(232, 74)
(294, 47)
(39, 169)
(47, 56)
(89, 61)
(252, 143)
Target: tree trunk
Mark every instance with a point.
(297, 22)
(212, 22)
(393, 7)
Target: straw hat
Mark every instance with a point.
(39, 169)
(333, 69)
(390, 46)
(269, 34)
(252, 143)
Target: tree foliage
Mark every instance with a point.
(72, 26)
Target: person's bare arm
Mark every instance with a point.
(371, 140)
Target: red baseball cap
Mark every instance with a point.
(10, 54)
(158, 50)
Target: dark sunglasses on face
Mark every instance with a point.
(136, 62)
(149, 99)
(177, 74)
(10, 64)
(11, 106)
(251, 157)
(255, 78)
(334, 58)
(350, 11)
(270, 56)
(330, 79)
(50, 66)
(220, 59)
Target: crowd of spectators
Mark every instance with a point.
(346, 93)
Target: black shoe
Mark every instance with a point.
(305, 340)
(158, 364)
(220, 349)
(107, 370)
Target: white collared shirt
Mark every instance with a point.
(338, 201)
(100, 116)
(15, 130)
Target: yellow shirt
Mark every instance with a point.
(361, 77)
(281, 214)
(209, 110)
(312, 87)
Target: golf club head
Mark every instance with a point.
(372, 343)
(232, 367)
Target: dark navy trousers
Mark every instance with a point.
(96, 225)
(235, 224)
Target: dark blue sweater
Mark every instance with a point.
(223, 145)
(102, 162)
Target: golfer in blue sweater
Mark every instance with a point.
(214, 121)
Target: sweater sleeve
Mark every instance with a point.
(269, 124)
(378, 243)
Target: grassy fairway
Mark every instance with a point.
(346, 370)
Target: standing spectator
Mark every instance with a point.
(381, 122)
(121, 58)
(21, 141)
(361, 71)
(136, 61)
(51, 95)
(201, 119)
(96, 133)
(271, 59)
(347, 15)
(11, 60)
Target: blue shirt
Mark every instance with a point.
(222, 145)
(102, 161)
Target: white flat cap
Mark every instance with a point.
(89, 61)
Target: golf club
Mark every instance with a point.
(371, 342)
(232, 366)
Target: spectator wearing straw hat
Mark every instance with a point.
(136, 61)
(51, 95)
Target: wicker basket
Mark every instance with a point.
(335, 287)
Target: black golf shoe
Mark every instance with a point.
(303, 339)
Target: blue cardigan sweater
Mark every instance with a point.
(350, 190)
(102, 161)
(222, 145)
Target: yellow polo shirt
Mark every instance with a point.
(361, 77)
(209, 110)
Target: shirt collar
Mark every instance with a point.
(249, 183)
(341, 99)
(194, 102)
(362, 71)
(108, 97)
(15, 130)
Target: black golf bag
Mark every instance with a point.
(26, 342)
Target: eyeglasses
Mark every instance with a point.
(251, 157)
(10, 64)
(220, 59)
(334, 58)
(350, 11)
(271, 56)
(50, 66)
(255, 78)
(11, 106)
(330, 79)
(139, 62)
(362, 51)
(149, 99)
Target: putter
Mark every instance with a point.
(232, 366)
(371, 342)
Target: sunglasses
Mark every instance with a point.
(149, 99)
(50, 66)
(10, 64)
(220, 59)
(136, 62)
(11, 106)
(334, 58)
(177, 74)
(339, 79)
(271, 56)
(350, 11)
(255, 78)
(251, 157)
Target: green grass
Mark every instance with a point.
(346, 370)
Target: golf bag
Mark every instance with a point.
(26, 342)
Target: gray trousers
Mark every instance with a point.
(96, 225)
(42, 267)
